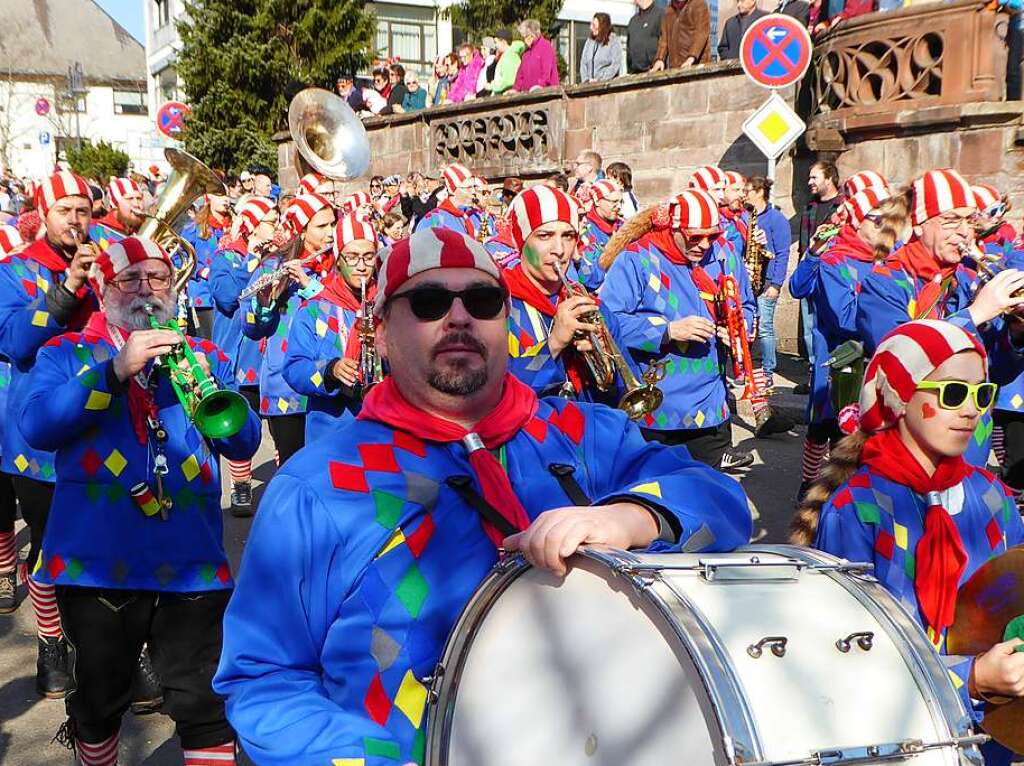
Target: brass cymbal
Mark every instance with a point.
(986, 603)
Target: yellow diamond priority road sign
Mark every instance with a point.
(774, 126)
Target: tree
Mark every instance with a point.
(241, 60)
(98, 161)
(485, 17)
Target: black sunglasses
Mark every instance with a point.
(431, 303)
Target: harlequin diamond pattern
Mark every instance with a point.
(115, 462)
(412, 591)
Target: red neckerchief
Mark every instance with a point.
(338, 292)
(218, 223)
(736, 218)
(141, 405)
(322, 265)
(385, 404)
(607, 227)
(111, 221)
(237, 245)
(940, 555)
(449, 207)
(706, 286)
(849, 245)
(919, 262)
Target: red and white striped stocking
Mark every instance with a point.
(218, 755)
(101, 754)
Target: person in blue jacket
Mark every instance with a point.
(43, 293)
(546, 322)
(371, 542)
(204, 233)
(901, 496)
(925, 279)
(665, 290)
(603, 219)
(774, 234)
(458, 211)
(233, 264)
(269, 314)
(324, 344)
(134, 544)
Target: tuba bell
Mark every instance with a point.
(328, 135)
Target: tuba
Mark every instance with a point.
(328, 135)
(605, 359)
(370, 370)
(189, 180)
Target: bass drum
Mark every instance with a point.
(769, 655)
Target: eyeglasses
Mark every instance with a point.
(874, 218)
(431, 303)
(132, 284)
(355, 260)
(995, 210)
(953, 393)
(951, 223)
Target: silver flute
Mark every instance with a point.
(281, 272)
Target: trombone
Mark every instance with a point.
(605, 359)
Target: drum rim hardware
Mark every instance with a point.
(776, 643)
(877, 753)
(865, 640)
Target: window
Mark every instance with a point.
(129, 102)
(167, 84)
(161, 13)
(408, 33)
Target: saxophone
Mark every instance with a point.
(755, 256)
(484, 232)
(370, 370)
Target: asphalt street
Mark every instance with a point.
(28, 723)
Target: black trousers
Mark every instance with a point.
(252, 395)
(205, 319)
(289, 432)
(1012, 424)
(107, 629)
(825, 431)
(35, 498)
(706, 445)
(8, 503)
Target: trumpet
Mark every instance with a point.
(370, 370)
(739, 345)
(217, 413)
(605, 359)
(281, 272)
(989, 265)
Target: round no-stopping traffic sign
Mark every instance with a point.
(775, 51)
(170, 120)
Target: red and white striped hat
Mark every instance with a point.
(865, 179)
(10, 238)
(250, 215)
(693, 209)
(538, 205)
(863, 202)
(427, 249)
(301, 211)
(708, 178)
(732, 178)
(603, 188)
(120, 188)
(904, 358)
(309, 182)
(456, 176)
(986, 195)
(58, 186)
(351, 227)
(122, 254)
(355, 201)
(938, 192)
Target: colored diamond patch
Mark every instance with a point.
(388, 508)
(378, 457)
(382, 748)
(411, 698)
(20, 463)
(74, 569)
(98, 400)
(91, 462)
(39, 318)
(347, 477)
(650, 488)
(55, 567)
(115, 462)
(190, 468)
(376, 701)
(412, 591)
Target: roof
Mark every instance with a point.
(45, 37)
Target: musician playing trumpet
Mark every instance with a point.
(303, 264)
(550, 330)
(325, 339)
(135, 546)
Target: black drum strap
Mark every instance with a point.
(565, 475)
(463, 487)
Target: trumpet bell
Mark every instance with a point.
(221, 414)
(328, 135)
(641, 401)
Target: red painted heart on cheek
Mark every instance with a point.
(928, 411)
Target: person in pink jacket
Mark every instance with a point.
(471, 62)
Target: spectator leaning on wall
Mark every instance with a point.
(642, 36)
(471, 62)
(539, 66)
(685, 35)
(602, 53)
(509, 56)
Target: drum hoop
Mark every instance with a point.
(930, 674)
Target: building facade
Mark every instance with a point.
(42, 40)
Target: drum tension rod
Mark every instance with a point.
(865, 640)
(776, 643)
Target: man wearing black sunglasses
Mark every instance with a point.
(370, 542)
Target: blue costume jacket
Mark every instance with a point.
(595, 235)
(362, 557)
(199, 285)
(106, 231)
(646, 291)
(97, 535)
(232, 268)
(442, 217)
(872, 518)
(1011, 394)
(26, 323)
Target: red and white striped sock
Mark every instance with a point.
(44, 601)
(8, 551)
(101, 754)
(998, 446)
(218, 755)
(241, 470)
(814, 458)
